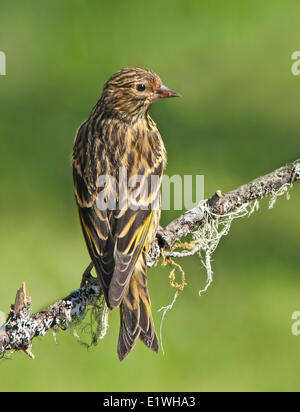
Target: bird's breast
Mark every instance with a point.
(138, 147)
(144, 147)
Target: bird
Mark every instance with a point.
(121, 144)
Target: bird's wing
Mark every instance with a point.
(96, 229)
(131, 236)
(95, 221)
(131, 229)
(115, 238)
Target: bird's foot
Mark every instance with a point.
(86, 275)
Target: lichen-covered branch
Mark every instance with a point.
(21, 326)
(220, 204)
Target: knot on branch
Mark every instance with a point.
(18, 328)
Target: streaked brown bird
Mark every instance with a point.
(120, 135)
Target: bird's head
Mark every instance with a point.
(129, 92)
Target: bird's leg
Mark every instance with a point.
(86, 275)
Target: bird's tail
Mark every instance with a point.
(135, 312)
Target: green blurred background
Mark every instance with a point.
(238, 119)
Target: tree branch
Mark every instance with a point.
(220, 204)
(21, 327)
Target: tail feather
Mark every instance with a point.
(126, 342)
(136, 317)
(150, 339)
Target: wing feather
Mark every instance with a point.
(127, 251)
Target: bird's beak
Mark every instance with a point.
(163, 91)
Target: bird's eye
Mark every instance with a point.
(140, 87)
